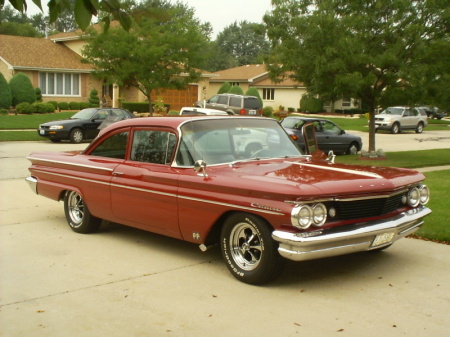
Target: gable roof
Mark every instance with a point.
(29, 53)
(254, 74)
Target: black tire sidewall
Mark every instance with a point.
(89, 223)
(271, 263)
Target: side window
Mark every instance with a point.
(153, 146)
(117, 113)
(112, 147)
(101, 114)
(330, 128)
(236, 101)
(214, 99)
(223, 100)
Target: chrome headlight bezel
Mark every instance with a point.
(303, 216)
(424, 194)
(413, 197)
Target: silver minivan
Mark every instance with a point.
(397, 119)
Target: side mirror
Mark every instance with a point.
(309, 135)
(200, 168)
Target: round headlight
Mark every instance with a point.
(414, 197)
(302, 216)
(319, 214)
(424, 194)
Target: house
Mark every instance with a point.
(54, 65)
(286, 93)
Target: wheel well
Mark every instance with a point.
(213, 236)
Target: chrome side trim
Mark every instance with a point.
(32, 182)
(259, 210)
(347, 239)
(71, 164)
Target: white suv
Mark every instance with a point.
(396, 119)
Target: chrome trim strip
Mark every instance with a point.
(71, 164)
(32, 182)
(259, 210)
(347, 239)
(362, 173)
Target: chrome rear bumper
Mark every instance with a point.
(348, 239)
(32, 182)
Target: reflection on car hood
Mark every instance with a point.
(60, 122)
(318, 179)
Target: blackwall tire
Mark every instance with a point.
(76, 136)
(248, 249)
(77, 214)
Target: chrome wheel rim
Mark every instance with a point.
(353, 149)
(75, 209)
(246, 249)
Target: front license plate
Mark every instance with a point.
(42, 132)
(252, 112)
(382, 239)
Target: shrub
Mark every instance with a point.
(38, 94)
(291, 109)
(84, 105)
(135, 106)
(24, 108)
(224, 88)
(54, 103)
(63, 106)
(94, 100)
(311, 104)
(237, 90)
(3, 111)
(5, 93)
(74, 105)
(254, 92)
(42, 108)
(267, 111)
(173, 113)
(22, 90)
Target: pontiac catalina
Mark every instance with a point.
(236, 182)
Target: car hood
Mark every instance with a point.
(289, 179)
(62, 122)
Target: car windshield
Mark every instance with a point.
(223, 141)
(84, 114)
(393, 111)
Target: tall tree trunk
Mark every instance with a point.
(372, 128)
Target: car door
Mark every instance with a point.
(330, 137)
(144, 187)
(91, 129)
(409, 120)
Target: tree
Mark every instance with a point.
(5, 93)
(21, 89)
(155, 54)
(252, 91)
(224, 88)
(354, 48)
(245, 43)
(235, 89)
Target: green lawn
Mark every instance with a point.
(13, 122)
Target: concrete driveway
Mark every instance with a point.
(126, 282)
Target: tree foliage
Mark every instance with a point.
(356, 48)
(21, 89)
(238, 44)
(155, 54)
(252, 91)
(224, 88)
(5, 93)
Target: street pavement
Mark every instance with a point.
(126, 282)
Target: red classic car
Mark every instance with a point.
(237, 182)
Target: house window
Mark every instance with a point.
(268, 94)
(59, 84)
(234, 84)
(346, 101)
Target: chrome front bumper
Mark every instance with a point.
(348, 239)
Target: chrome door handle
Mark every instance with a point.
(117, 173)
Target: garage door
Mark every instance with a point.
(178, 98)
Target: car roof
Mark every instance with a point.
(204, 110)
(308, 119)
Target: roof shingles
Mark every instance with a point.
(28, 52)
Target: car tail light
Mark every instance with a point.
(294, 137)
(260, 111)
(242, 112)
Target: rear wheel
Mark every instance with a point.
(78, 215)
(353, 148)
(248, 249)
(76, 136)
(419, 128)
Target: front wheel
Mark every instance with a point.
(353, 148)
(395, 128)
(419, 128)
(248, 249)
(78, 215)
(76, 136)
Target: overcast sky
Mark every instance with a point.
(220, 13)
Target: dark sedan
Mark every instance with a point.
(85, 124)
(329, 135)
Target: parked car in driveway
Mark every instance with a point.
(85, 124)
(233, 104)
(188, 178)
(397, 119)
(433, 112)
(330, 137)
